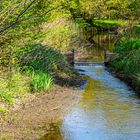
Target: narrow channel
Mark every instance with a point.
(108, 110)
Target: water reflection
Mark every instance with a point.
(54, 133)
(92, 48)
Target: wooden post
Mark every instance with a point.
(105, 55)
(73, 55)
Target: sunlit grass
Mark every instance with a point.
(2, 110)
(12, 86)
(110, 23)
(82, 23)
(6, 97)
(40, 81)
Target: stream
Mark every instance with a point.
(108, 109)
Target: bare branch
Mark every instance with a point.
(17, 18)
(17, 21)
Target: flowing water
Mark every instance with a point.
(108, 109)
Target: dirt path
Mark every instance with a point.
(31, 122)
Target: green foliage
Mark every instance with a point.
(33, 69)
(134, 7)
(38, 57)
(129, 59)
(39, 64)
(17, 84)
(101, 9)
(6, 97)
(129, 63)
(40, 81)
(59, 33)
(109, 23)
(27, 24)
(82, 23)
(137, 29)
(126, 46)
(13, 86)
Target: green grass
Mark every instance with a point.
(37, 57)
(12, 86)
(82, 23)
(137, 28)
(6, 97)
(40, 81)
(32, 71)
(41, 64)
(106, 23)
(124, 47)
(129, 59)
(109, 23)
(2, 110)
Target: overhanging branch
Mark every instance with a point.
(17, 18)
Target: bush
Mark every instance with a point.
(37, 57)
(33, 67)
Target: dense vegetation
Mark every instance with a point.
(128, 61)
(34, 34)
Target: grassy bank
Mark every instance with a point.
(127, 65)
(109, 23)
(33, 68)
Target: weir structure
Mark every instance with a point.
(108, 56)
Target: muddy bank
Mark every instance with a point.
(126, 78)
(33, 120)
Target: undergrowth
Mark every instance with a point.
(129, 59)
(33, 69)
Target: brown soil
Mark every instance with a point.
(31, 121)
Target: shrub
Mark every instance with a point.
(38, 57)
